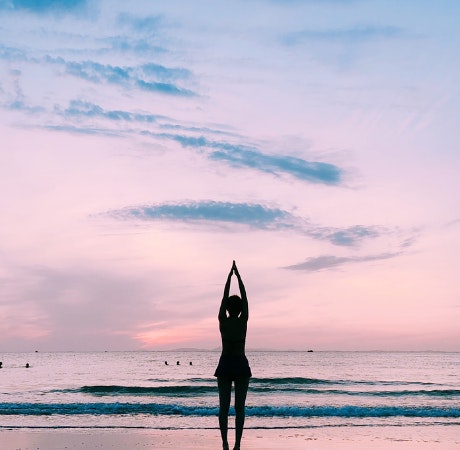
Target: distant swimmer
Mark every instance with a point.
(166, 363)
(27, 366)
(178, 363)
(191, 363)
(1, 364)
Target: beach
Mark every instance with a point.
(296, 400)
(424, 437)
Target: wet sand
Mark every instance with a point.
(358, 438)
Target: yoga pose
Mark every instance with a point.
(233, 364)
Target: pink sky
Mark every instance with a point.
(145, 148)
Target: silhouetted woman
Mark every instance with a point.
(233, 364)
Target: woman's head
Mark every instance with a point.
(234, 305)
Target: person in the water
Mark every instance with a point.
(233, 365)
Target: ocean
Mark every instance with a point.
(122, 390)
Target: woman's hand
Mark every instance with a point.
(235, 269)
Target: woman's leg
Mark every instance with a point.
(225, 390)
(241, 389)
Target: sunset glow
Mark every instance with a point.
(145, 147)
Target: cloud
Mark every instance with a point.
(453, 223)
(21, 105)
(12, 53)
(42, 6)
(85, 130)
(149, 24)
(249, 157)
(17, 100)
(408, 242)
(346, 236)
(238, 156)
(355, 34)
(254, 215)
(140, 46)
(163, 88)
(91, 110)
(313, 171)
(195, 129)
(323, 262)
(148, 77)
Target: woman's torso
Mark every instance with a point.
(233, 334)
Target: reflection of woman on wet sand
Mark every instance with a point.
(233, 364)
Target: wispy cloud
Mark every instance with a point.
(196, 129)
(144, 24)
(94, 131)
(148, 77)
(254, 215)
(138, 46)
(21, 105)
(313, 171)
(42, 6)
(12, 53)
(355, 34)
(453, 223)
(91, 110)
(235, 155)
(250, 157)
(325, 262)
(15, 99)
(346, 236)
(85, 109)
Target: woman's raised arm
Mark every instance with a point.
(223, 303)
(245, 307)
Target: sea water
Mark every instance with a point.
(288, 390)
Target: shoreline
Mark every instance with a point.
(440, 437)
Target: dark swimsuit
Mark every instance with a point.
(233, 362)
